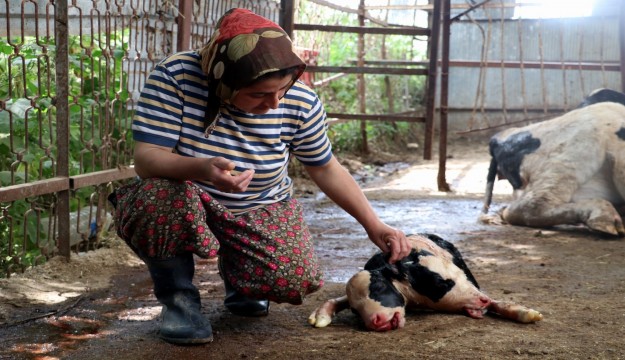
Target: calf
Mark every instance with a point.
(434, 276)
(567, 170)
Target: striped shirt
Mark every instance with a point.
(170, 113)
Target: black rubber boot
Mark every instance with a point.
(182, 321)
(239, 304)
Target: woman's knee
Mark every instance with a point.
(162, 218)
(281, 283)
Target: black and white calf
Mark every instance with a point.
(434, 276)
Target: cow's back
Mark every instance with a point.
(583, 135)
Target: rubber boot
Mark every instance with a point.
(239, 304)
(182, 321)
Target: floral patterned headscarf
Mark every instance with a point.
(244, 47)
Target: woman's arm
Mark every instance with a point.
(159, 161)
(334, 180)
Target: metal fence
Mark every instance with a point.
(513, 62)
(70, 75)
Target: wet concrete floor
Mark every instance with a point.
(129, 307)
(343, 245)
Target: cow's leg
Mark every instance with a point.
(322, 316)
(546, 201)
(597, 214)
(618, 177)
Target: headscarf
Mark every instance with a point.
(243, 47)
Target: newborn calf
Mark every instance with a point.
(434, 276)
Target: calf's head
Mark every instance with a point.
(375, 298)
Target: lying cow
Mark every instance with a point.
(603, 95)
(434, 276)
(567, 170)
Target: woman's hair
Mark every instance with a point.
(293, 71)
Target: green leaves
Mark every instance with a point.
(98, 115)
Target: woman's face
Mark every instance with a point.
(263, 95)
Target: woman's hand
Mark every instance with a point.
(224, 179)
(159, 161)
(392, 240)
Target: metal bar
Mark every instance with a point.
(435, 21)
(473, 7)
(622, 43)
(393, 62)
(35, 188)
(442, 141)
(286, 16)
(361, 85)
(567, 65)
(101, 177)
(509, 110)
(184, 19)
(366, 70)
(409, 31)
(377, 117)
(62, 122)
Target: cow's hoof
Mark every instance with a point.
(491, 219)
(606, 227)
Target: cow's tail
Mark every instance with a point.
(490, 184)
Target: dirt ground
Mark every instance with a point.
(100, 304)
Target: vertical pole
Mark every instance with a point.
(286, 16)
(361, 77)
(622, 43)
(184, 21)
(442, 141)
(61, 101)
(435, 22)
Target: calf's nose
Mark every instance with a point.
(380, 322)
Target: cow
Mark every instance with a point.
(603, 95)
(569, 170)
(434, 276)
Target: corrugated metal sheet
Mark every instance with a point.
(551, 55)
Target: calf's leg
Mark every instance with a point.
(322, 316)
(515, 312)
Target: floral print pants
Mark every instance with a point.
(266, 253)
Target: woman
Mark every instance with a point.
(214, 131)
